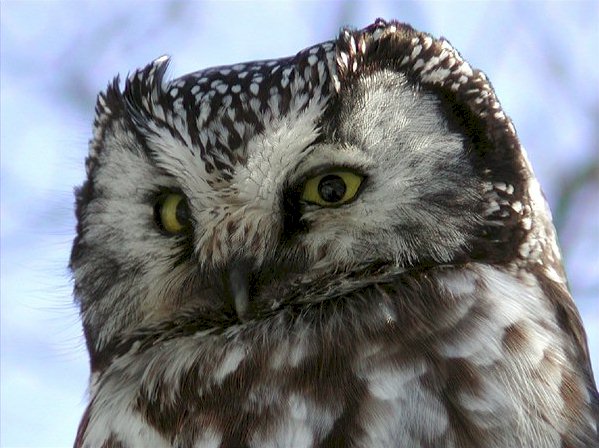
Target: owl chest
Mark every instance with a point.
(381, 395)
(305, 392)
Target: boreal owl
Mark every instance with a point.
(345, 247)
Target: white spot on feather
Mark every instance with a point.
(553, 275)
(517, 206)
(403, 419)
(457, 283)
(393, 383)
(229, 364)
(415, 51)
(208, 438)
(127, 426)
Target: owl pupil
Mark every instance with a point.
(331, 188)
(182, 212)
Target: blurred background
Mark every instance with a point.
(56, 56)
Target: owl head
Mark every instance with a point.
(238, 192)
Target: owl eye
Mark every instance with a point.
(172, 213)
(332, 188)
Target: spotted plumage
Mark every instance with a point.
(347, 247)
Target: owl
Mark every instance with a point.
(346, 247)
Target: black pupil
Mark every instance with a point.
(182, 212)
(331, 188)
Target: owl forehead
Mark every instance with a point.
(255, 90)
(215, 112)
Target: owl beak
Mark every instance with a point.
(239, 287)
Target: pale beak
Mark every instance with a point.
(239, 286)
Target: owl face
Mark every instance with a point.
(230, 190)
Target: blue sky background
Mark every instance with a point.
(56, 56)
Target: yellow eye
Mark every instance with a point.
(172, 213)
(332, 188)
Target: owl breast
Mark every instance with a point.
(369, 374)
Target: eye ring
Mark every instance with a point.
(332, 188)
(171, 213)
